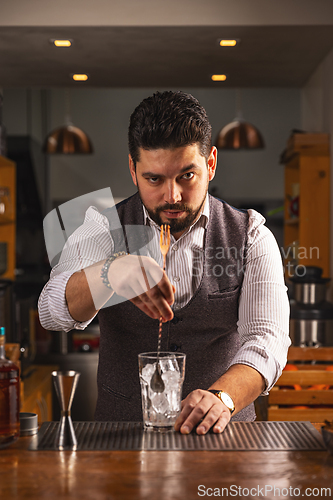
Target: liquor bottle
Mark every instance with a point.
(9, 397)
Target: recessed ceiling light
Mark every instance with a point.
(62, 43)
(80, 77)
(219, 78)
(228, 43)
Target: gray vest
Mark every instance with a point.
(205, 329)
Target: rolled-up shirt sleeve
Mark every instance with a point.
(89, 244)
(263, 323)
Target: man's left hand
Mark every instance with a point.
(202, 405)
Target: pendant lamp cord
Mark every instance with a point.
(239, 112)
(68, 119)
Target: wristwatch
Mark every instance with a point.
(225, 398)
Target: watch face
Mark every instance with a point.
(227, 400)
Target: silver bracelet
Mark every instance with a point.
(107, 264)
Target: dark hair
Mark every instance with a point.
(169, 120)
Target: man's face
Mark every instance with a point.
(173, 184)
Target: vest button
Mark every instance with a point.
(174, 347)
(174, 320)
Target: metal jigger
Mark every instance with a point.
(65, 385)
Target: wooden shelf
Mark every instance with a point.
(304, 393)
(37, 391)
(307, 186)
(8, 222)
(292, 222)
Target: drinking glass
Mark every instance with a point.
(161, 409)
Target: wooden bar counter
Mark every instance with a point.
(183, 475)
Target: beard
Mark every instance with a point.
(176, 225)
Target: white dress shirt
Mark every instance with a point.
(263, 323)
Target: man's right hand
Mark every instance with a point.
(141, 280)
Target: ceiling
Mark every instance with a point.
(162, 57)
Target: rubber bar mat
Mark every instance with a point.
(238, 436)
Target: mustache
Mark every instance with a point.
(175, 206)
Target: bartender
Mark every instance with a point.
(222, 298)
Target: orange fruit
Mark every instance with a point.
(291, 368)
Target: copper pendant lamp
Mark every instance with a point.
(239, 134)
(69, 140)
